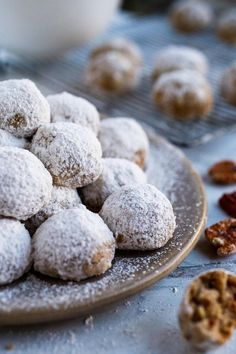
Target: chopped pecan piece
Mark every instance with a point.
(223, 172)
(228, 203)
(207, 315)
(223, 236)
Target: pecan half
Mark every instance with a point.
(222, 236)
(228, 203)
(223, 172)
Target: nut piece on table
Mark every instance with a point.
(222, 235)
(228, 203)
(207, 315)
(223, 172)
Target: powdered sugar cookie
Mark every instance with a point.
(115, 174)
(74, 244)
(62, 198)
(140, 217)
(22, 107)
(121, 45)
(191, 15)
(124, 138)
(183, 94)
(71, 153)
(66, 107)
(226, 27)
(25, 186)
(15, 250)
(8, 139)
(174, 58)
(228, 84)
(114, 66)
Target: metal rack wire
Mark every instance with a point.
(151, 33)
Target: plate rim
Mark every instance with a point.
(44, 315)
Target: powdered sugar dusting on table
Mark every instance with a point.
(35, 292)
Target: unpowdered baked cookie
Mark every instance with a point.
(174, 57)
(207, 315)
(15, 250)
(183, 94)
(66, 107)
(74, 244)
(226, 27)
(22, 107)
(71, 153)
(115, 174)
(191, 15)
(124, 138)
(228, 84)
(140, 217)
(62, 198)
(114, 66)
(25, 184)
(8, 139)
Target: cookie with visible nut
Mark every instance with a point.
(207, 315)
(228, 203)
(222, 236)
(223, 172)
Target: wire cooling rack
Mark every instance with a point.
(151, 33)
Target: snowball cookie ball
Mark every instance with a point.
(22, 107)
(15, 250)
(25, 184)
(140, 217)
(228, 84)
(174, 58)
(226, 27)
(183, 94)
(124, 138)
(71, 153)
(122, 45)
(112, 72)
(73, 245)
(116, 173)
(191, 15)
(66, 107)
(8, 139)
(62, 198)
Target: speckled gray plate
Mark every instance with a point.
(35, 298)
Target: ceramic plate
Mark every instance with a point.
(35, 298)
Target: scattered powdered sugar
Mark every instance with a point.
(195, 11)
(88, 248)
(71, 153)
(15, 250)
(179, 57)
(140, 217)
(115, 174)
(178, 84)
(35, 292)
(124, 138)
(25, 186)
(8, 139)
(22, 107)
(66, 107)
(61, 198)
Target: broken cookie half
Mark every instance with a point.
(207, 315)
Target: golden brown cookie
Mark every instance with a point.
(191, 15)
(228, 84)
(183, 94)
(226, 28)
